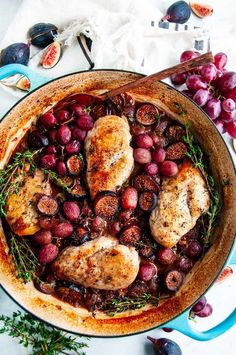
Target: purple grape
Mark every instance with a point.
(228, 105)
(194, 249)
(220, 126)
(209, 72)
(206, 312)
(48, 161)
(78, 133)
(73, 147)
(78, 110)
(201, 97)
(231, 95)
(179, 78)
(188, 93)
(48, 120)
(231, 128)
(62, 115)
(53, 135)
(185, 265)
(220, 60)
(85, 122)
(199, 305)
(64, 135)
(187, 55)
(194, 82)
(61, 168)
(51, 149)
(227, 82)
(166, 256)
(227, 116)
(151, 168)
(213, 108)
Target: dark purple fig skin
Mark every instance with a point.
(179, 12)
(42, 34)
(15, 53)
(165, 346)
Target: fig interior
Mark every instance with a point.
(117, 248)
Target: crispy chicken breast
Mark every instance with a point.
(22, 215)
(182, 200)
(109, 154)
(101, 263)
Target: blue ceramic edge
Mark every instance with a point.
(183, 323)
(35, 79)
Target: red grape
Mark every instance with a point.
(213, 108)
(48, 120)
(143, 141)
(227, 116)
(231, 95)
(129, 198)
(98, 223)
(47, 253)
(53, 135)
(61, 168)
(185, 265)
(62, 230)
(194, 82)
(187, 55)
(188, 93)
(64, 135)
(231, 128)
(147, 271)
(220, 126)
(73, 147)
(51, 149)
(62, 115)
(114, 228)
(166, 256)
(85, 122)
(209, 72)
(48, 161)
(78, 133)
(151, 168)
(228, 105)
(159, 155)
(142, 156)
(206, 312)
(43, 237)
(168, 168)
(194, 249)
(179, 78)
(78, 110)
(220, 60)
(71, 210)
(227, 82)
(201, 97)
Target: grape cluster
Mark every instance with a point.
(213, 88)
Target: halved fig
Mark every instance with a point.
(65, 180)
(145, 183)
(175, 133)
(106, 204)
(201, 10)
(147, 114)
(47, 205)
(78, 192)
(176, 151)
(130, 235)
(75, 164)
(147, 201)
(174, 280)
(23, 83)
(51, 55)
(99, 110)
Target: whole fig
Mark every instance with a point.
(15, 53)
(42, 34)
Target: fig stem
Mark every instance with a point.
(153, 340)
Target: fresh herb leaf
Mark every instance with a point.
(196, 155)
(24, 259)
(121, 304)
(225, 182)
(43, 339)
(53, 176)
(180, 109)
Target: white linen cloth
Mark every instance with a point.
(121, 31)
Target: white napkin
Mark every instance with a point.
(125, 34)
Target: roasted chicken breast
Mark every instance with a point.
(109, 154)
(182, 200)
(22, 215)
(101, 263)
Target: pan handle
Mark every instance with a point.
(183, 324)
(35, 79)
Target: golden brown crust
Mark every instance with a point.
(79, 320)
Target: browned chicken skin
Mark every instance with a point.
(109, 154)
(101, 263)
(181, 201)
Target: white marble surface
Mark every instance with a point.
(222, 296)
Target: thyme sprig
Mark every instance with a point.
(53, 176)
(43, 339)
(24, 259)
(11, 176)
(196, 155)
(121, 304)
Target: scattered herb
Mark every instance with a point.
(25, 261)
(180, 109)
(196, 155)
(121, 304)
(42, 338)
(11, 176)
(225, 182)
(53, 176)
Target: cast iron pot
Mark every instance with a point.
(172, 312)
